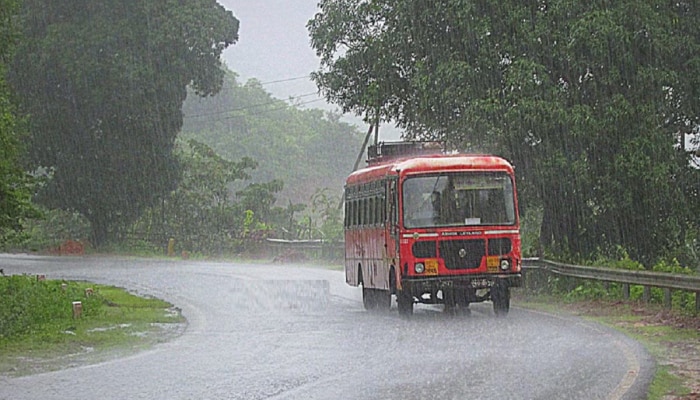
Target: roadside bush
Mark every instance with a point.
(31, 306)
(49, 232)
(575, 289)
(530, 231)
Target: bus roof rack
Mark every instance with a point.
(385, 151)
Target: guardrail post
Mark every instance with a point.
(646, 294)
(171, 247)
(668, 300)
(626, 291)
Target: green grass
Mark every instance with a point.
(666, 384)
(38, 331)
(662, 342)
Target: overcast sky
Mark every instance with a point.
(274, 46)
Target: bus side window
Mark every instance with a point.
(365, 207)
(346, 220)
(355, 216)
(360, 211)
(368, 211)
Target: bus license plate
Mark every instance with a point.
(431, 267)
(481, 283)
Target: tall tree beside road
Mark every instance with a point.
(15, 192)
(591, 101)
(103, 82)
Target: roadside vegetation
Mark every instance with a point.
(216, 176)
(41, 329)
(672, 336)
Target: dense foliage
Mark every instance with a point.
(306, 149)
(591, 101)
(200, 214)
(206, 216)
(103, 82)
(15, 184)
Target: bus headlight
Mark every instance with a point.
(505, 265)
(419, 268)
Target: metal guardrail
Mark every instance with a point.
(666, 281)
(647, 279)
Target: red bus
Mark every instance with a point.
(433, 228)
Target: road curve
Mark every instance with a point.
(291, 332)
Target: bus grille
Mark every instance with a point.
(462, 254)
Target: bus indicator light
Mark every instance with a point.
(492, 263)
(431, 267)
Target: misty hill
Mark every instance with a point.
(308, 149)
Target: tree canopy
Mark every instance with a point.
(103, 83)
(15, 189)
(591, 101)
(200, 213)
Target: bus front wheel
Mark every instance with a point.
(404, 301)
(500, 296)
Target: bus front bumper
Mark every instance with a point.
(476, 281)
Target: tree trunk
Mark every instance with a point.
(99, 231)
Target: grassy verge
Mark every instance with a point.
(672, 338)
(39, 330)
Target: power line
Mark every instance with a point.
(242, 84)
(255, 106)
(286, 80)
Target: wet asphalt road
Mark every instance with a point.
(261, 331)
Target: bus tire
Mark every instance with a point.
(463, 298)
(404, 301)
(383, 299)
(449, 298)
(369, 298)
(500, 296)
(392, 280)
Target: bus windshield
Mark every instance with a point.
(458, 199)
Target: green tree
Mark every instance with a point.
(15, 183)
(307, 149)
(103, 82)
(590, 101)
(201, 214)
(260, 199)
(324, 207)
(257, 201)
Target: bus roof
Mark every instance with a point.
(428, 164)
